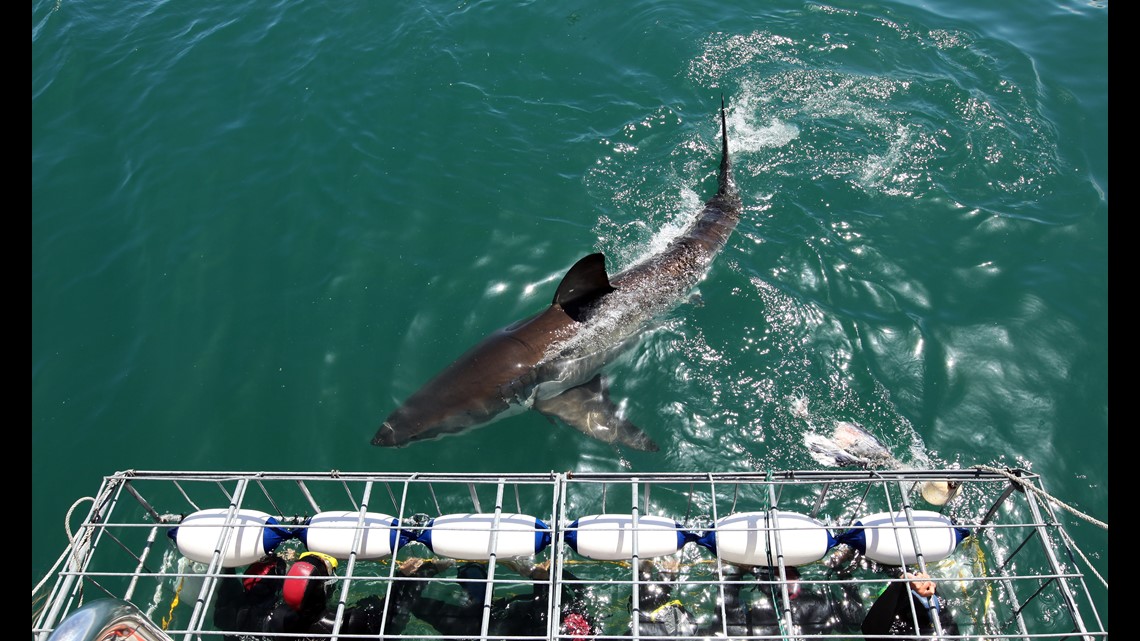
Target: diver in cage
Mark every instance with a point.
(523, 614)
(245, 603)
(815, 609)
(271, 599)
(894, 614)
(659, 612)
(311, 582)
(756, 606)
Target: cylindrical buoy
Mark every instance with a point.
(749, 538)
(609, 537)
(889, 539)
(243, 538)
(334, 533)
(478, 537)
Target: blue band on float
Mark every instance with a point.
(397, 538)
(683, 537)
(272, 536)
(541, 536)
(572, 536)
(708, 541)
(855, 537)
(425, 535)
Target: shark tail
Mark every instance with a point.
(725, 183)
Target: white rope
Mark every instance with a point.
(70, 544)
(1043, 493)
(71, 547)
(1073, 544)
(1068, 540)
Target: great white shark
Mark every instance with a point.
(552, 361)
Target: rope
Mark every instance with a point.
(980, 562)
(1052, 499)
(664, 606)
(166, 620)
(1084, 558)
(71, 548)
(1043, 493)
(977, 568)
(70, 543)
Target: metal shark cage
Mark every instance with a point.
(1014, 575)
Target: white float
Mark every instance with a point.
(749, 538)
(242, 538)
(334, 532)
(476, 537)
(889, 539)
(610, 537)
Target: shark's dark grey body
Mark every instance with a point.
(551, 362)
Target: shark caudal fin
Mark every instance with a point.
(726, 186)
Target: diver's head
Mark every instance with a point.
(309, 582)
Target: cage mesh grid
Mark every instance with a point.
(1014, 577)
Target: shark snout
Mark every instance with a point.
(385, 436)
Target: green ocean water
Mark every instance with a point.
(257, 227)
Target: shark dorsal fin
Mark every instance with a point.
(586, 282)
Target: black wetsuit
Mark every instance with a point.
(517, 615)
(891, 613)
(246, 609)
(815, 610)
(812, 612)
(659, 614)
(366, 616)
(258, 608)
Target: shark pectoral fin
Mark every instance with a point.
(588, 409)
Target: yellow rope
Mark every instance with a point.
(166, 620)
(674, 602)
(980, 558)
(978, 569)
